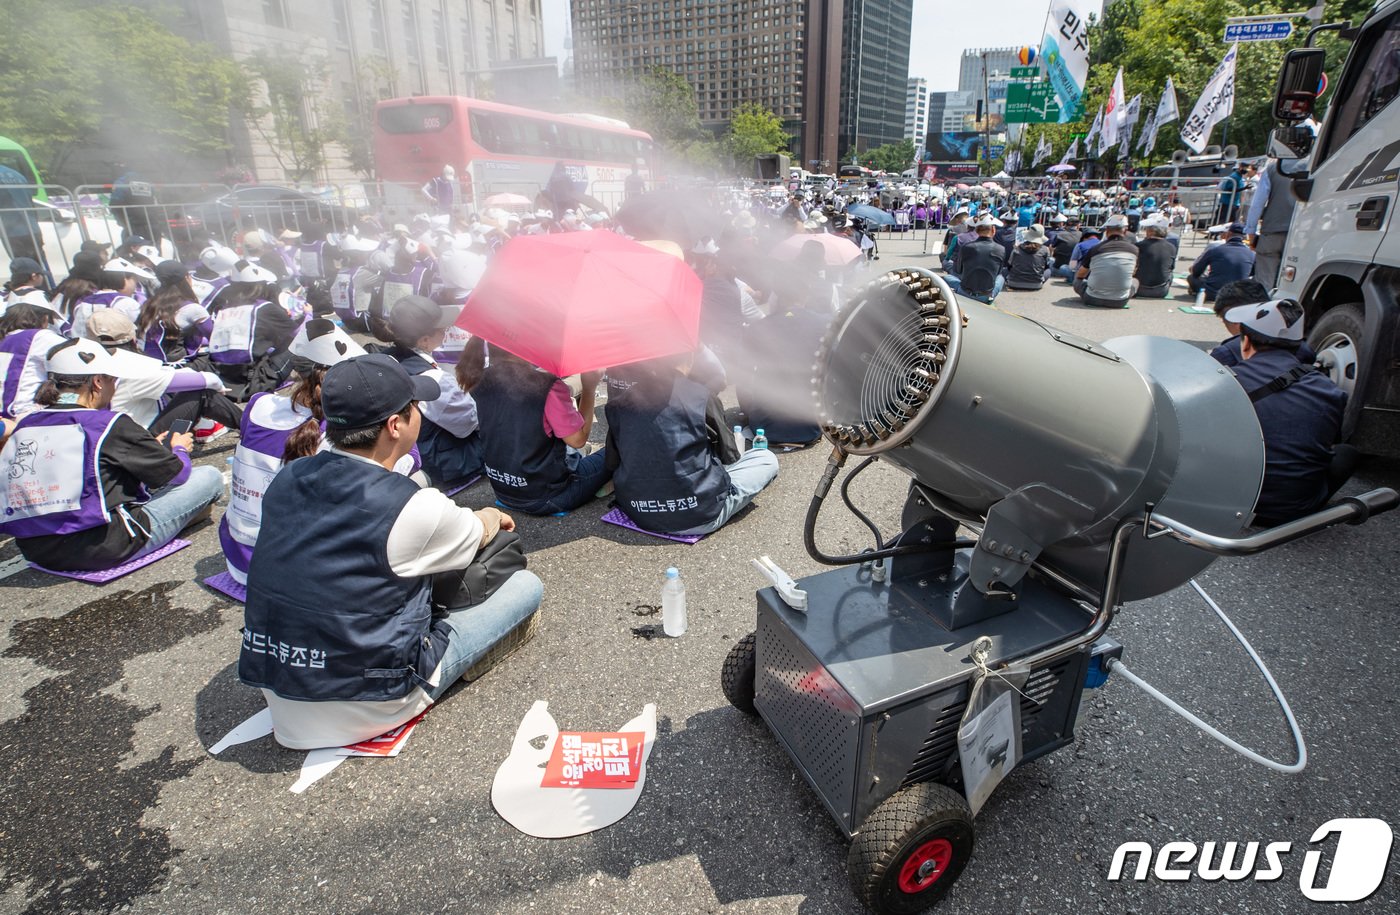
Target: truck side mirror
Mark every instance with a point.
(1298, 81)
(1291, 142)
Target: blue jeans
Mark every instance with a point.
(955, 283)
(171, 508)
(589, 477)
(476, 629)
(1065, 272)
(748, 476)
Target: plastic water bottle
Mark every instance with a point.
(228, 473)
(1200, 299)
(673, 604)
(739, 438)
(760, 441)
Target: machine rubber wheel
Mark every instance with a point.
(737, 677)
(1339, 341)
(911, 849)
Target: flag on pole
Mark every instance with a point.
(1166, 113)
(1215, 104)
(1065, 50)
(1133, 111)
(1094, 130)
(1042, 151)
(1013, 161)
(1071, 153)
(1113, 114)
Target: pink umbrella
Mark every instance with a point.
(580, 301)
(510, 202)
(961, 187)
(836, 251)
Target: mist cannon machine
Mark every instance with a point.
(1088, 474)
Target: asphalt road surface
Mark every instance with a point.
(114, 693)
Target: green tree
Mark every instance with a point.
(663, 104)
(754, 131)
(85, 74)
(291, 108)
(891, 157)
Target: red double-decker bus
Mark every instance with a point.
(497, 149)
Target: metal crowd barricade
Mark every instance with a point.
(43, 222)
(171, 216)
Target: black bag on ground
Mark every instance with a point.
(489, 569)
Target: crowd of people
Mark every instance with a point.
(336, 357)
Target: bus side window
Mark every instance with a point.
(1371, 83)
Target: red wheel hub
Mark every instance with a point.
(922, 869)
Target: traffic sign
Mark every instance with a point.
(1031, 103)
(995, 151)
(1025, 72)
(1268, 30)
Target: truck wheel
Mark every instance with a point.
(1338, 340)
(911, 849)
(737, 677)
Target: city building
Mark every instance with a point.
(957, 111)
(357, 51)
(833, 70)
(916, 99)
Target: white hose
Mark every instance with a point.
(1290, 769)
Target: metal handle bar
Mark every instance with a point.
(1351, 510)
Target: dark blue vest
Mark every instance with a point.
(446, 458)
(669, 479)
(326, 617)
(524, 464)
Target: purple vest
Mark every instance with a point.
(231, 342)
(312, 260)
(14, 353)
(216, 286)
(397, 285)
(48, 470)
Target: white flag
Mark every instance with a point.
(1042, 151)
(1215, 104)
(1094, 131)
(1065, 50)
(1130, 119)
(1114, 112)
(1166, 113)
(1071, 153)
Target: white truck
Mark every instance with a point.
(1342, 256)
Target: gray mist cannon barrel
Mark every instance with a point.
(1050, 440)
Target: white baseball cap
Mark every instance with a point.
(122, 265)
(1278, 321)
(219, 259)
(83, 357)
(248, 272)
(321, 342)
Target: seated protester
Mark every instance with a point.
(112, 491)
(448, 439)
(174, 326)
(460, 266)
(956, 226)
(1245, 292)
(1105, 277)
(317, 258)
(977, 266)
(155, 394)
(260, 248)
(774, 384)
(278, 427)
(211, 278)
(1156, 260)
(115, 289)
(1029, 266)
(367, 651)
(1299, 409)
(1222, 264)
(721, 305)
(357, 285)
(676, 468)
(26, 275)
(1065, 237)
(414, 272)
(24, 353)
(531, 431)
(1006, 232)
(289, 249)
(1089, 237)
(80, 283)
(251, 333)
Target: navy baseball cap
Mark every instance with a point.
(367, 390)
(23, 266)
